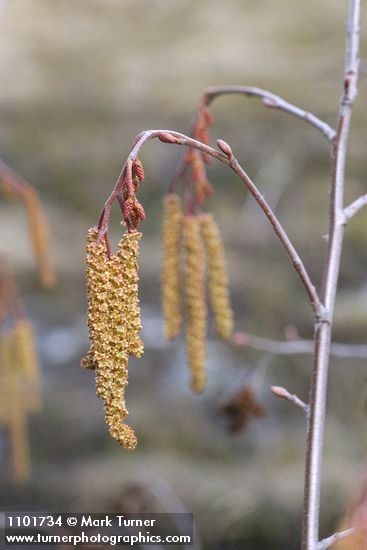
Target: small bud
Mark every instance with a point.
(165, 137)
(269, 102)
(279, 391)
(225, 148)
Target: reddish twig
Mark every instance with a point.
(172, 137)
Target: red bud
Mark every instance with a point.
(168, 138)
(223, 146)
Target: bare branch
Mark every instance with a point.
(320, 368)
(283, 393)
(355, 207)
(169, 136)
(297, 347)
(273, 102)
(329, 541)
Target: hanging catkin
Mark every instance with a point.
(26, 358)
(15, 418)
(128, 261)
(171, 235)
(217, 277)
(114, 326)
(40, 236)
(195, 302)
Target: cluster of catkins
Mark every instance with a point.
(19, 390)
(203, 256)
(114, 326)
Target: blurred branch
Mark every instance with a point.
(271, 101)
(355, 207)
(326, 543)
(297, 347)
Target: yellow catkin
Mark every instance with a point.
(40, 236)
(16, 419)
(128, 256)
(97, 291)
(217, 277)
(195, 302)
(114, 326)
(26, 359)
(171, 235)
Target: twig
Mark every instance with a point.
(283, 393)
(319, 380)
(169, 136)
(329, 541)
(297, 347)
(355, 207)
(272, 101)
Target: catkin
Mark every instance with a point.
(26, 358)
(217, 277)
(127, 256)
(171, 234)
(14, 417)
(114, 326)
(40, 237)
(195, 302)
(6, 377)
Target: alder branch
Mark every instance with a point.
(320, 367)
(355, 207)
(329, 541)
(297, 347)
(271, 101)
(168, 136)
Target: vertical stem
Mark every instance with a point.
(323, 327)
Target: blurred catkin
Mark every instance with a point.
(114, 326)
(217, 277)
(26, 357)
(171, 235)
(195, 302)
(40, 236)
(14, 417)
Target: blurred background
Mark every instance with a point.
(79, 80)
